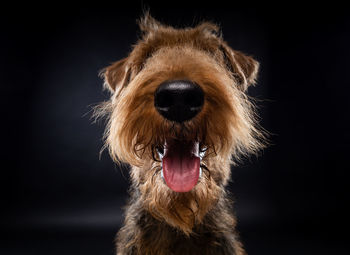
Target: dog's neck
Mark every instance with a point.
(148, 235)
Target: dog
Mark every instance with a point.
(180, 116)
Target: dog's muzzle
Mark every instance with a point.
(179, 100)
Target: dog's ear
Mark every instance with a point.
(244, 68)
(116, 75)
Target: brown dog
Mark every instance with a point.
(179, 116)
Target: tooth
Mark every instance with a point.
(202, 153)
(200, 173)
(162, 175)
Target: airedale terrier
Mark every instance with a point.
(179, 115)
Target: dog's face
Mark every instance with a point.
(178, 112)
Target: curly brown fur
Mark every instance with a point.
(159, 220)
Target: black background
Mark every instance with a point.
(59, 197)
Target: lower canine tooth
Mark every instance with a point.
(162, 175)
(202, 154)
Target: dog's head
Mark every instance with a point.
(178, 107)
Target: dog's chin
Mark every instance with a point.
(181, 164)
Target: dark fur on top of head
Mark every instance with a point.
(243, 68)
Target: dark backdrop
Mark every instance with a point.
(59, 197)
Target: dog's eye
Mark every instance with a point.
(143, 59)
(148, 54)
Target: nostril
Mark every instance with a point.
(194, 99)
(164, 99)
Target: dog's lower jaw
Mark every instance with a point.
(181, 210)
(146, 235)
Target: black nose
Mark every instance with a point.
(179, 100)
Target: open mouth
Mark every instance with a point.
(181, 164)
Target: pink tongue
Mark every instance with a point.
(181, 165)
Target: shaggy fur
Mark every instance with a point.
(159, 220)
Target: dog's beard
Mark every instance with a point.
(134, 133)
(182, 210)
